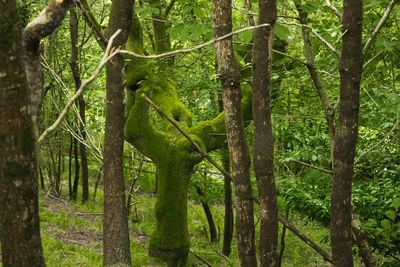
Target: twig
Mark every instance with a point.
(183, 132)
(313, 167)
(325, 42)
(92, 22)
(378, 27)
(334, 9)
(107, 56)
(201, 259)
(193, 48)
(325, 255)
(377, 144)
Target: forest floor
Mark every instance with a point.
(72, 235)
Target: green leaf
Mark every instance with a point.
(246, 36)
(198, 12)
(396, 203)
(390, 214)
(386, 224)
(282, 32)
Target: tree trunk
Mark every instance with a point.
(263, 149)
(351, 61)
(228, 215)
(116, 244)
(209, 216)
(231, 95)
(170, 240)
(19, 216)
(73, 22)
(77, 168)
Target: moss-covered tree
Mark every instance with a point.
(174, 156)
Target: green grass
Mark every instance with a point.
(71, 235)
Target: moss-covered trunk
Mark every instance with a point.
(170, 240)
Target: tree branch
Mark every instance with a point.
(325, 255)
(378, 27)
(186, 135)
(334, 9)
(107, 56)
(313, 167)
(193, 48)
(92, 22)
(39, 28)
(169, 7)
(322, 39)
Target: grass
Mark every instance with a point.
(72, 234)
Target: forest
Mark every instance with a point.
(200, 133)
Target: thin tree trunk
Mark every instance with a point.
(73, 22)
(351, 61)
(209, 216)
(116, 244)
(263, 149)
(282, 242)
(71, 146)
(231, 95)
(316, 78)
(77, 168)
(19, 209)
(228, 216)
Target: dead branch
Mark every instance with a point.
(378, 27)
(107, 56)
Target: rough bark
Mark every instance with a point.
(263, 149)
(346, 135)
(230, 77)
(19, 218)
(116, 244)
(73, 22)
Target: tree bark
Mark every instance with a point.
(230, 77)
(73, 22)
(19, 216)
(263, 149)
(350, 69)
(116, 244)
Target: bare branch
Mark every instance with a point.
(193, 48)
(378, 27)
(107, 56)
(334, 9)
(313, 167)
(325, 255)
(92, 22)
(322, 39)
